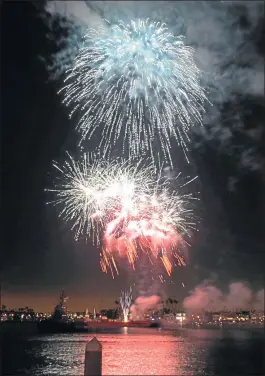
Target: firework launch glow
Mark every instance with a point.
(139, 83)
(125, 208)
(125, 302)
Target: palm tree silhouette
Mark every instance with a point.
(171, 302)
(175, 302)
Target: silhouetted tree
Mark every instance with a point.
(175, 303)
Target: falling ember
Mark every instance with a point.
(180, 260)
(108, 263)
(167, 264)
(125, 302)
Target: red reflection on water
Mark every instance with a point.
(141, 354)
(130, 352)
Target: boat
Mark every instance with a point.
(155, 324)
(59, 322)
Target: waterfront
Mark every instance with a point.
(133, 351)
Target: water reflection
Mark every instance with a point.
(125, 330)
(238, 353)
(131, 351)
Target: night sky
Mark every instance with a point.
(39, 256)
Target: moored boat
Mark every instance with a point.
(59, 322)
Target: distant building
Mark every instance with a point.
(180, 316)
(224, 316)
(207, 316)
(20, 314)
(216, 316)
(170, 317)
(243, 315)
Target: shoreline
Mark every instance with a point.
(31, 328)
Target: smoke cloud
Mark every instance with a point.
(142, 304)
(75, 11)
(209, 298)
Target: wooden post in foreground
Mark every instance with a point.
(93, 358)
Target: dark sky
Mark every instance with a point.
(39, 256)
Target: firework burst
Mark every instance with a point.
(153, 224)
(124, 208)
(136, 82)
(89, 189)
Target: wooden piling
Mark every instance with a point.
(93, 358)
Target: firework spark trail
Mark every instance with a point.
(90, 188)
(124, 207)
(125, 302)
(139, 83)
(154, 225)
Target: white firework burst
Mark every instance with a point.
(138, 83)
(90, 189)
